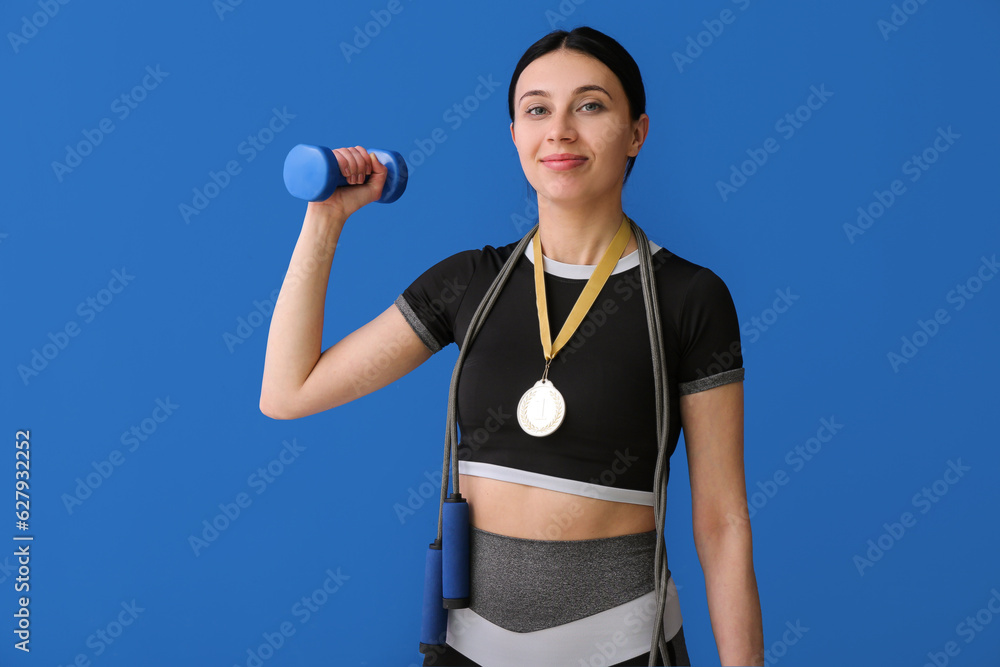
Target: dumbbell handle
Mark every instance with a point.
(313, 173)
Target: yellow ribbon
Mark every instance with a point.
(586, 298)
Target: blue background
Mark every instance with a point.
(225, 69)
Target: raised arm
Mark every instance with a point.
(298, 380)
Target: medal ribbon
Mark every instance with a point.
(586, 298)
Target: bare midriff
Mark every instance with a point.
(534, 513)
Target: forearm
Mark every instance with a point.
(726, 555)
(295, 335)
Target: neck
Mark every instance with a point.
(580, 235)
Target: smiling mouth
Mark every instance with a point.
(563, 164)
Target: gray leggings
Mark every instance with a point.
(524, 585)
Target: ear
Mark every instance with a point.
(512, 138)
(639, 135)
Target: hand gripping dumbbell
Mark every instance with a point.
(313, 173)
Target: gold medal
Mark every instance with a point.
(542, 408)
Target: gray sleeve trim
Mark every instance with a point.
(701, 384)
(418, 326)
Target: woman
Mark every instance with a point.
(561, 507)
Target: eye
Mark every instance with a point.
(596, 105)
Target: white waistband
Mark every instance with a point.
(599, 491)
(612, 635)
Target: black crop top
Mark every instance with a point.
(606, 445)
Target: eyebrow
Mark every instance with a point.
(581, 89)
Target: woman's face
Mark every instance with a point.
(566, 102)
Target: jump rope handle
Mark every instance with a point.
(434, 619)
(446, 570)
(455, 553)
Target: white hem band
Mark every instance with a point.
(576, 487)
(613, 635)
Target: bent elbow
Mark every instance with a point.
(276, 409)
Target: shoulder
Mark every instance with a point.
(432, 303)
(474, 265)
(472, 258)
(496, 255)
(683, 279)
(450, 276)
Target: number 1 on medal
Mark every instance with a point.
(540, 409)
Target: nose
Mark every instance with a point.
(562, 127)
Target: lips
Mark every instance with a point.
(562, 157)
(563, 161)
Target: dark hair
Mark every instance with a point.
(596, 44)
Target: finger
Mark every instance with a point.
(352, 165)
(345, 161)
(363, 164)
(376, 165)
(359, 158)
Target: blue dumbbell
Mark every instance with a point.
(313, 173)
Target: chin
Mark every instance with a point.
(572, 193)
